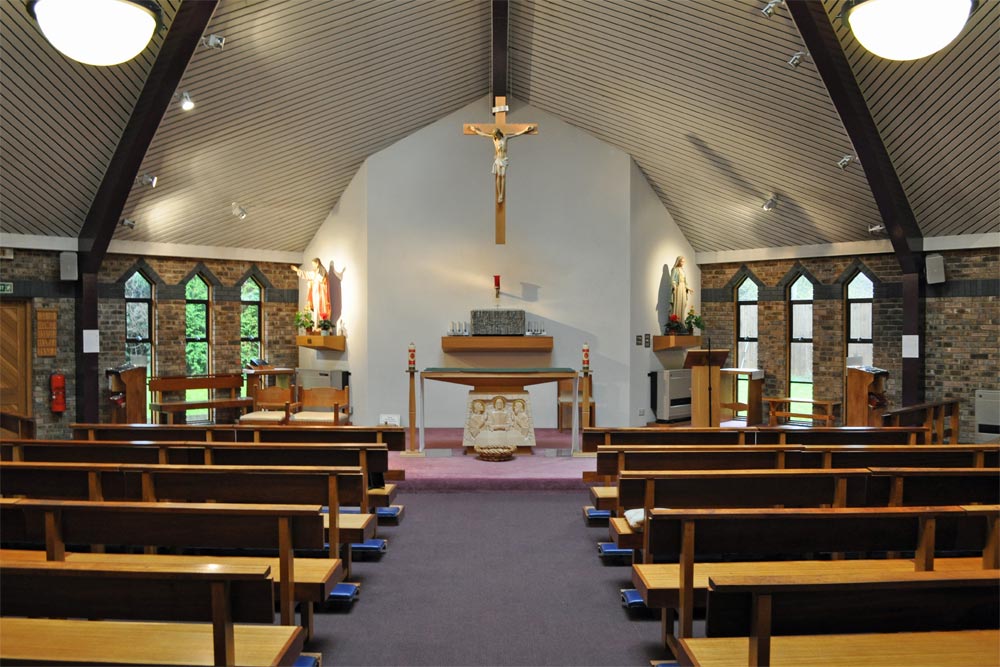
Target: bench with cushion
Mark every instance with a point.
(201, 614)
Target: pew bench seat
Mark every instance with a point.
(622, 534)
(604, 497)
(56, 641)
(382, 496)
(658, 583)
(958, 647)
(353, 527)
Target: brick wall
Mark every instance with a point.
(962, 328)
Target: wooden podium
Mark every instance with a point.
(706, 385)
(730, 394)
(128, 395)
(865, 396)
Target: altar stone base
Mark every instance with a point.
(498, 422)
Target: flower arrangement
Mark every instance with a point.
(693, 320)
(675, 326)
(326, 326)
(304, 320)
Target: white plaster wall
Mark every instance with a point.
(656, 241)
(432, 258)
(342, 239)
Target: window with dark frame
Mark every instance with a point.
(860, 301)
(800, 343)
(139, 319)
(251, 309)
(746, 337)
(196, 341)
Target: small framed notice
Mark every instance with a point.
(46, 332)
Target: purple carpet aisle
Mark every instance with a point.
(446, 468)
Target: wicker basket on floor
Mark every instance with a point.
(496, 452)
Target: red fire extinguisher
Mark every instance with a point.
(57, 383)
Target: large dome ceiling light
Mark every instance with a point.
(97, 32)
(907, 29)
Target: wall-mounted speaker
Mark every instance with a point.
(935, 269)
(67, 266)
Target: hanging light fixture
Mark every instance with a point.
(907, 29)
(186, 102)
(97, 32)
(770, 204)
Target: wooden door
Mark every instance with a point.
(15, 357)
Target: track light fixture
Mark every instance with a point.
(874, 229)
(213, 41)
(768, 9)
(906, 29)
(147, 179)
(186, 102)
(796, 58)
(127, 222)
(239, 211)
(771, 203)
(97, 32)
(845, 161)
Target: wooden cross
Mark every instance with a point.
(500, 132)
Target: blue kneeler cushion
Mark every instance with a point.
(610, 549)
(390, 512)
(595, 514)
(631, 599)
(344, 592)
(372, 546)
(306, 661)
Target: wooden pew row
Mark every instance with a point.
(729, 489)
(372, 457)
(611, 459)
(284, 528)
(754, 435)
(332, 487)
(208, 608)
(690, 538)
(871, 619)
(942, 418)
(394, 437)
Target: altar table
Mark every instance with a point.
(500, 380)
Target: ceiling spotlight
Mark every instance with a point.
(147, 179)
(796, 59)
(873, 229)
(905, 29)
(239, 211)
(97, 32)
(771, 203)
(126, 222)
(845, 161)
(186, 102)
(213, 41)
(768, 9)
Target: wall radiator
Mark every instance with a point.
(987, 415)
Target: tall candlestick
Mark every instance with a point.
(412, 357)
(496, 287)
(586, 357)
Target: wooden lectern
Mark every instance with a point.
(731, 404)
(865, 395)
(128, 394)
(706, 385)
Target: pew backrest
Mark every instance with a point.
(612, 459)
(933, 486)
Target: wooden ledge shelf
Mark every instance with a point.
(674, 342)
(496, 343)
(338, 343)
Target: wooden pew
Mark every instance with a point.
(942, 418)
(228, 383)
(897, 456)
(689, 537)
(612, 459)
(207, 604)
(654, 435)
(372, 457)
(871, 619)
(394, 437)
(754, 435)
(933, 486)
(201, 525)
(845, 435)
(781, 408)
(648, 489)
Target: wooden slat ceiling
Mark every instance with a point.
(60, 122)
(699, 93)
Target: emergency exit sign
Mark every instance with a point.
(6, 288)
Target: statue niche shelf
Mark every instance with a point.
(338, 343)
(675, 342)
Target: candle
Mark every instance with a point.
(412, 357)
(586, 357)
(496, 282)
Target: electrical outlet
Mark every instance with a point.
(647, 340)
(638, 340)
(388, 420)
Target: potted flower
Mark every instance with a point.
(692, 320)
(675, 327)
(304, 321)
(325, 327)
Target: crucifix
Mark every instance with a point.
(500, 131)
